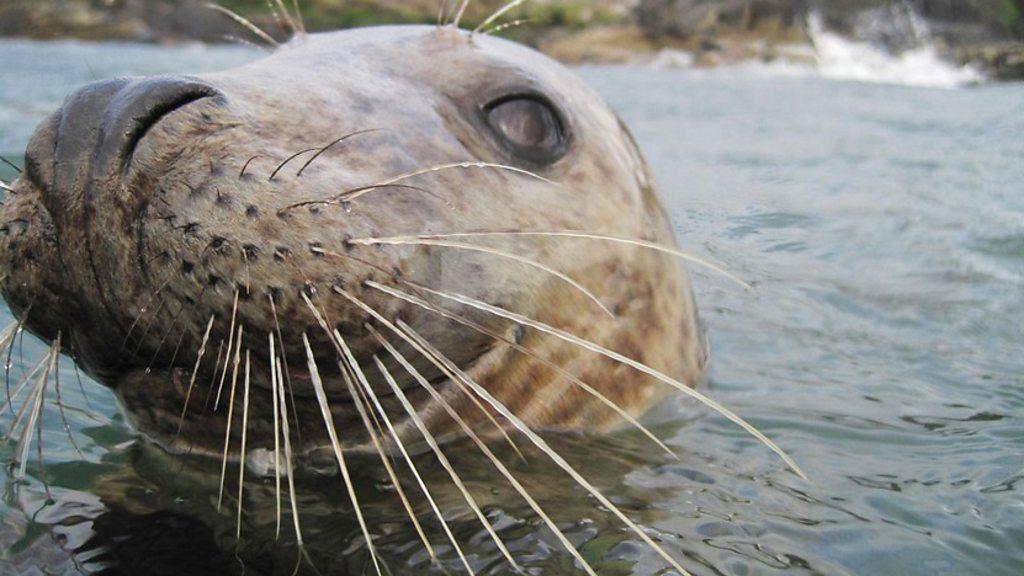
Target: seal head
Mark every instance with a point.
(182, 235)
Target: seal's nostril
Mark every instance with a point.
(140, 106)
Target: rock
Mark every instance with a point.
(1003, 61)
(986, 33)
(598, 44)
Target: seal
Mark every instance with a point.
(150, 206)
(367, 240)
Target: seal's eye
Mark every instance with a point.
(529, 127)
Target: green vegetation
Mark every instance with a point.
(335, 14)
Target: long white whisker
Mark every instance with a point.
(522, 349)
(195, 371)
(498, 14)
(507, 25)
(37, 408)
(332, 433)
(231, 411)
(470, 395)
(59, 400)
(350, 195)
(458, 15)
(231, 336)
(241, 449)
(638, 366)
(703, 262)
(298, 17)
(7, 340)
(21, 386)
(287, 375)
(287, 16)
(350, 372)
(245, 23)
(277, 435)
(501, 254)
(283, 401)
(408, 460)
(556, 458)
(489, 454)
(446, 464)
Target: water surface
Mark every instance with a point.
(883, 228)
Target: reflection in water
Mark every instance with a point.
(883, 229)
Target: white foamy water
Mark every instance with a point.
(843, 59)
(835, 57)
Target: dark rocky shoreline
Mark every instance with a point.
(987, 34)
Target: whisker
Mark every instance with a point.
(350, 195)
(501, 254)
(332, 433)
(245, 166)
(11, 164)
(231, 411)
(216, 370)
(60, 409)
(445, 463)
(195, 371)
(277, 434)
(408, 459)
(349, 369)
(498, 14)
(564, 234)
(460, 13)
(476, 401)
(150, 323)
(231, 336)
(419, 189)
(17, 392)
(321, 151)
(429, 437)
(298, 17)
(143, 310)
(490, 455)
(6, 341)
(502, 27)
(4, 186)
(81, 388)
(287, 17)
(289, 159)
(245, 23)
(522, 349)
(241, 450)
(287, 375)
(555, 457)
(293, 500)
(163, 339)
(442, 13)
(465, 165)
(638, 366)
(37, 409)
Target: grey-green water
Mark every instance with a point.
(883, 227)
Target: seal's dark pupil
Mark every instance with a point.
(529, 126)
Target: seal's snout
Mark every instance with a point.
(93, 137)
(69, 232)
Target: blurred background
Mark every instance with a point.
(860, 162)
(986, 34)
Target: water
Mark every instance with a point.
(837, 57)
(883, 227)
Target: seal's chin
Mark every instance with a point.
(198, 413)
